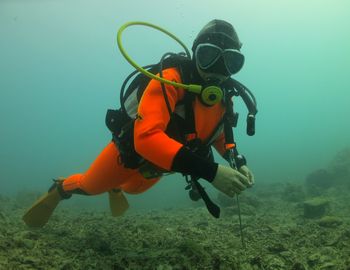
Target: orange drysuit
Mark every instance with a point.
(150, 139)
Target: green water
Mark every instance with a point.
(60, 70)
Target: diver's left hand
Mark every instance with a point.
(246, 172)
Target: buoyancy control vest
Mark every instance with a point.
(180, 127)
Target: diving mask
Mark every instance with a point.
(207, 55)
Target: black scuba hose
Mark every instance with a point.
(249, 98)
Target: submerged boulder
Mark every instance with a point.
(319, 179)
(337, 173)
(330, 221)
(316, 207)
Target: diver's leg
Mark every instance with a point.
(39, 213)
(105, 173)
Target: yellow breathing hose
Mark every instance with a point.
(190, 87)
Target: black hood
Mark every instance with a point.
(220, 33)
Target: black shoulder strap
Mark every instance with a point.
(228, 122)
(190, 123)
(186, 72)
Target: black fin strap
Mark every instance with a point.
(213, 209)
(58, 185)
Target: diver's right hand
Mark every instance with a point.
(229, 181)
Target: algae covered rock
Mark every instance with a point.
(330, 222)
(316, 207)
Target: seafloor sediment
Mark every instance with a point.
(278, 234)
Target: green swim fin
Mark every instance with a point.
(117, 202)
(40, 212)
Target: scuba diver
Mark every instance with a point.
(162, 129)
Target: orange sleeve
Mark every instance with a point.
(219, 144)
(150, 139)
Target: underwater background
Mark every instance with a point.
(60, 70)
